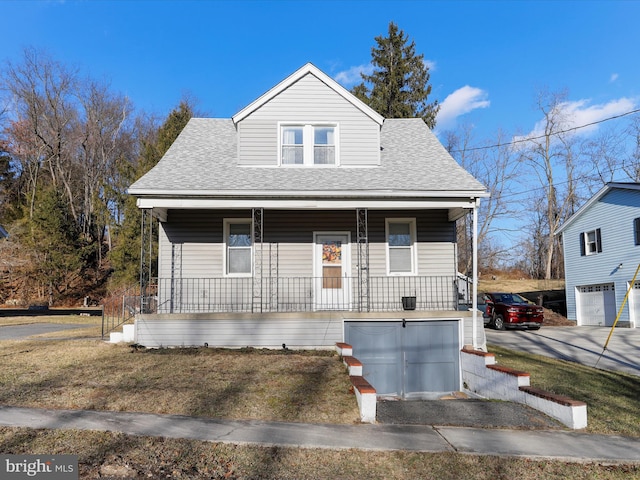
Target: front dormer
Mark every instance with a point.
(308, 120)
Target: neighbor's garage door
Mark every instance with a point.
(596, 305)
(407, 358)
(634, 305)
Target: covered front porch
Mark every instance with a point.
(304, 294)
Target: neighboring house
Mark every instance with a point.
(303, 221)
(601, 244)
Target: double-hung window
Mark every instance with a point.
(237, 234)
(591, 242)
(308, 144)
(401, 256)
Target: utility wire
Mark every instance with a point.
(529, 139)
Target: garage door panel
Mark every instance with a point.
(431, 352)
(634, 305)
(597, 305)
(407, 357)
(384, 377)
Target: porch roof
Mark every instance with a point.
(202, 164)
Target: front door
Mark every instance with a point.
(332, 260)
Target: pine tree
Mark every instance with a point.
(54, 243)
(399, 85)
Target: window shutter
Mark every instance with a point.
(636, 230)
(599, 240)
(582, 247)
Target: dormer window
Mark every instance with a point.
(308, 144)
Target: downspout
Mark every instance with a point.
(474, 288)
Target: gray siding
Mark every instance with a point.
(315, 330)
(613, 215)
(191, 241)
(308, 100)
(266, 331)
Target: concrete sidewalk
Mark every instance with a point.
(559, 445)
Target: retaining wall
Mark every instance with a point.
(482, 376)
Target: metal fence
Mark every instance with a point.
(302, 294)
(120, 308)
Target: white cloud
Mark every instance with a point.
(613, 78)
(351, 76)
(462, 101)
(431, 65)
(579, 113)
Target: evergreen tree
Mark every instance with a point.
(9, 194)
(54, 243)
(399, 85)
(125, 256)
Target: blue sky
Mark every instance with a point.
(488, 58)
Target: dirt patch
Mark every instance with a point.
(553, 319)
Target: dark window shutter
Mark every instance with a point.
(582, 246)
(599, 240)
(636, 230)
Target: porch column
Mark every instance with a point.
(474, 284)
(362, 216)
(146, 254)
(257, 215)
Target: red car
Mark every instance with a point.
(511, 310)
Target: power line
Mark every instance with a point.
(529, 139)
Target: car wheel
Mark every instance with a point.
(498, 322)
(534, 328)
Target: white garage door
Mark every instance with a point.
(634, 305)
(597, 305)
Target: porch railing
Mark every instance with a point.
(300, 294)
(120, 308)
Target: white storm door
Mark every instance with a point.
(332, 285)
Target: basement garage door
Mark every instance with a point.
(407, 358)
(634, 305)
(596, 305)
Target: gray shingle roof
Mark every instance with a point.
(203, 161)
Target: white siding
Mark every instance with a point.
(308, 100)
(613, 215)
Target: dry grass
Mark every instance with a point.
(247, 384)
(517, 285)
(256, 384)
(612, 398)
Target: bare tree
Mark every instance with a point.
(631, 162)
(496, 168)
(45, 113)
(551, 156)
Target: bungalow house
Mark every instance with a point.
(308, 219)
(601, 243)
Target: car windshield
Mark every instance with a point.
(510, 298)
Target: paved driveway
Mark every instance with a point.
(20, 332)
(578, 344)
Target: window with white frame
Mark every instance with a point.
(308, 144)
(238, 255)
(401, 233)
(591, 242)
